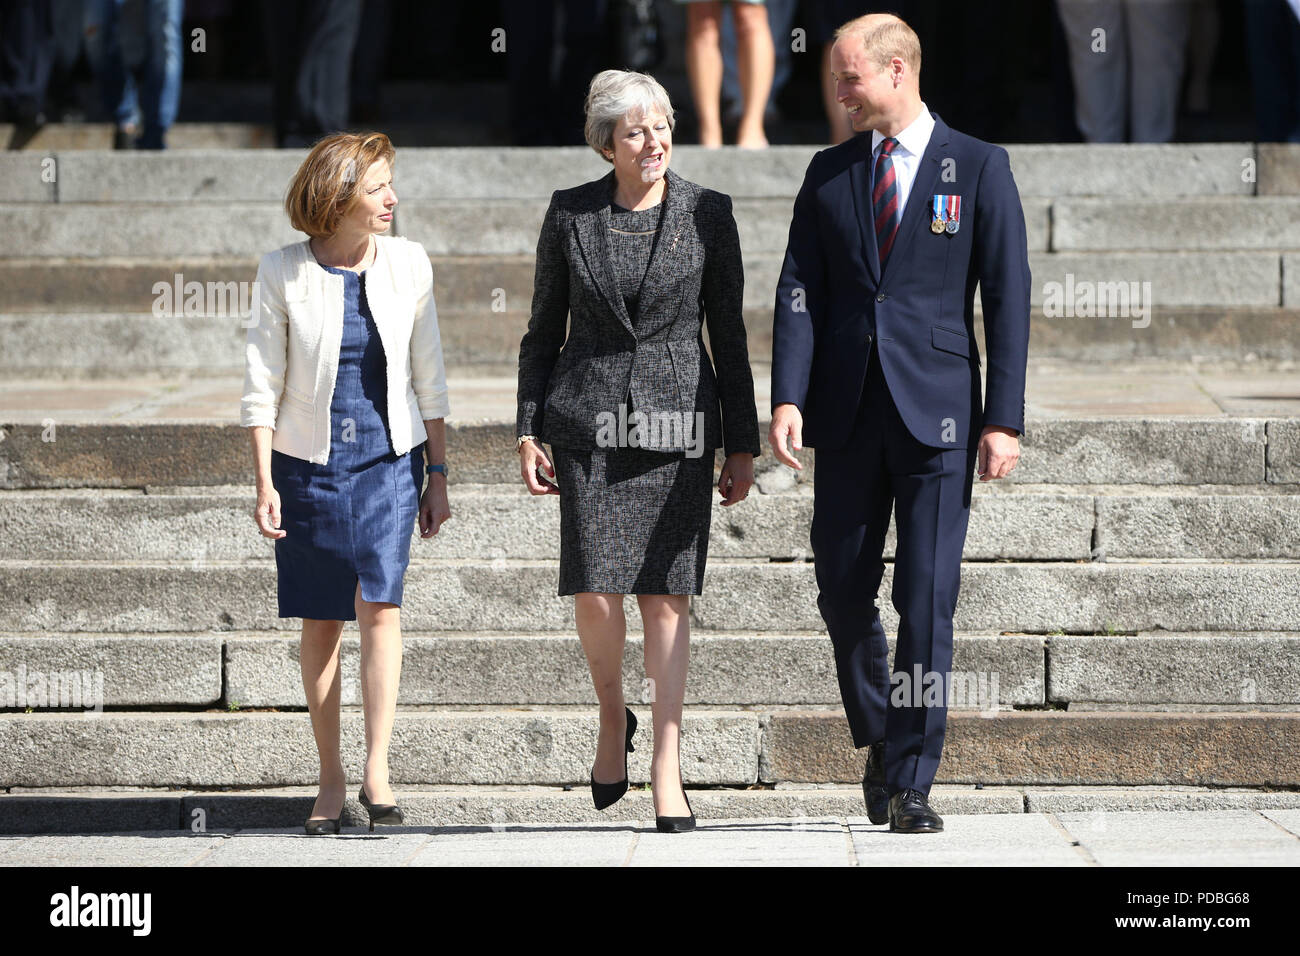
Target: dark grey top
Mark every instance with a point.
(632, 234)
(583, 354)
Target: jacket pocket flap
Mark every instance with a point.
(949, 341)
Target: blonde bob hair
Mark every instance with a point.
(328, 183)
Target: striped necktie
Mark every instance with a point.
(884, 200)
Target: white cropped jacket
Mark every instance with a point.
(296, 328)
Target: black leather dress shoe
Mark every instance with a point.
(874, 790)
(909, 812)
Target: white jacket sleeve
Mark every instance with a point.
(428, 377)
(266, 347)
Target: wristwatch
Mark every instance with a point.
(441, 469)
(519, 442)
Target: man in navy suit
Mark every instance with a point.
(875, 364)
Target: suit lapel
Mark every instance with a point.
(675, 219)
(918, 199)
(860, 182)
(592, 229)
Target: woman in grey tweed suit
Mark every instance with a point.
(629, 403)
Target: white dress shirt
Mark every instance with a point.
(906, 155)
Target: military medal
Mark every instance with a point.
(954, 214)
(936, 225)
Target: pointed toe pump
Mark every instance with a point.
(383, 814)
(607, 794)
(677, 824)
(325, 826)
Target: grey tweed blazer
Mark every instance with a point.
(694, 275)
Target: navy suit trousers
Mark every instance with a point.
(929, 489)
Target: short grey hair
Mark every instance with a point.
(614, 94)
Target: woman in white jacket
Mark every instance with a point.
(345, 393)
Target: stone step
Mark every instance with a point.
(718, 748)
(1040, 597)
(210, 176)
(106, 344)
(1090, 290)
(1229, 671)
(488, 522)
(96, 810)
(480, 227)
(1222, 223)
(45, 451)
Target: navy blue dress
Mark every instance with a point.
(350, 519)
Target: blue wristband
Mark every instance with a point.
(441, 469)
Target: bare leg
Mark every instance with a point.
(756, 62)
(602, 629)
(836, 116)
(381, 669)
(667, 653)
(319, 658)
(704, 66)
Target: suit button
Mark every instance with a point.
(881, 297)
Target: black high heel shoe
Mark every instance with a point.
(677, 824)
(325, 826)
(607, 794)
(385, 814)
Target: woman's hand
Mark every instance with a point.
(267, 512)
(737, 477)
(531, 459)
(434, 509)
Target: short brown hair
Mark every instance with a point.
(326, 185)
(890, 38)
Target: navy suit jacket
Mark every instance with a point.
(832, 300)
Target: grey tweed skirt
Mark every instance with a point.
(633, 521)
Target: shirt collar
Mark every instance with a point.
(914, 138)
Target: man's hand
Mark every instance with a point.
(999, 450)
(787, 422)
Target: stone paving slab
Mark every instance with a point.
(1289, 818)
(1089, 799)
(1012, 840)
(1220, 838)
(1213, 838)
(113, 809)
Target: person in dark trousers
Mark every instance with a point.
(26, 58)
(545, 98)
(875, 363)
(137, 52)
(310, 45)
